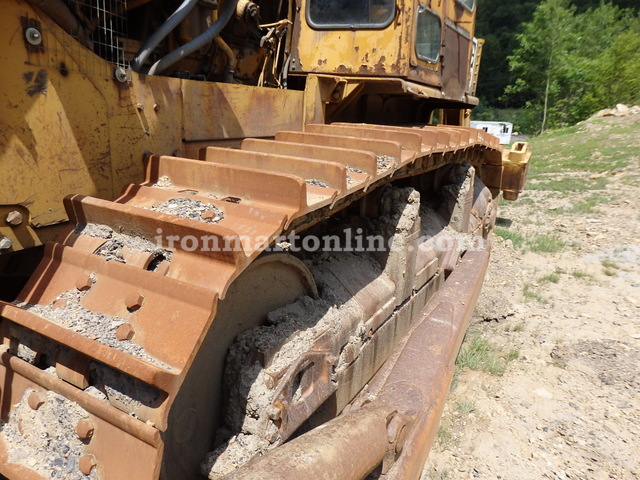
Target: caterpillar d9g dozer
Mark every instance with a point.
(299, 234)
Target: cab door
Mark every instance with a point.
(457, 40)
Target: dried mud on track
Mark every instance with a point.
(563, 292)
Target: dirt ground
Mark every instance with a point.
(568, 406)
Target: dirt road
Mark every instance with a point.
(548, 380)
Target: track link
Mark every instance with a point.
(118, 309)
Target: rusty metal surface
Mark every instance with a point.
(258, 194)
(515, 168)
(399, 411)
(139, 300)
(346, 448)
(391, 51)
(65, 132)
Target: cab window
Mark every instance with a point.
(428, 36)
(468, 4)
(352, 14)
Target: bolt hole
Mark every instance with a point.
(155, 262)
(297, 388)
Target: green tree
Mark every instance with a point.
(617, 75)
(540, 64)
(498, 23)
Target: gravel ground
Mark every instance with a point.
(568, 407)
(191, 209)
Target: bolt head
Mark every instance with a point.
(84, 429)
(133, 301)
(125, 332)
(208, 215)
(156, 107)
(86, 464)
(140, 106)
(33, 36)
(121, 74)
(36, 400)
(14, 218)
(84, 283)
(5, 243)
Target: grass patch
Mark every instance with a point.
(568, 184)
(465, 407)
(531, 294)
(434, 474)
(632, 180)
(535, 243)
(517, 239)
(580, 274)
(480, 354)
(551, 278)
(545, 244)
(511, 355)
(609, 268)
(518, 327)
(583, 207)
(444, 435)
(588, 205)
(582, 150)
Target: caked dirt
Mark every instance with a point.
(568, 406)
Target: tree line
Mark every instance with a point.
(559, 60)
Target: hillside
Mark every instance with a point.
(547, 379)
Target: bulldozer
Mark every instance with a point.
(239, 239)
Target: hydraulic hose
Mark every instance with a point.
(165, 29)
(207, 36)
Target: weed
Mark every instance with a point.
(545, 244)
(536, 243)
(609, 264)
(552, 277)
(517, 239)
(444, 435)
(609, 273)
(465, 407)
(518, 327)
(588, 205)
(511, 355)
(434, 474)
(480, 354)
(632, 180)
(570, 184)
(530, 294)
(580, 274)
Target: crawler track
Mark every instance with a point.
(116, 314)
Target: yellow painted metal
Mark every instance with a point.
(353, 52)
(514, 170)
(219, 110)
(68, 126)
(389, 53)
(423, 71)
